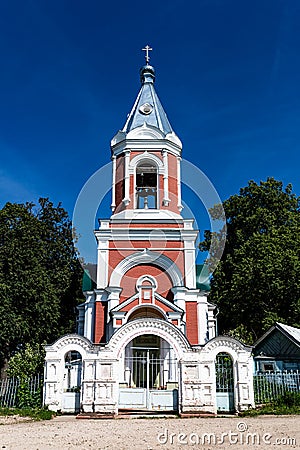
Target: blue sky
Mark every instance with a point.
(227, 73)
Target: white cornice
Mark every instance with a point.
(150, 145)
(144, 234)
(146, 215)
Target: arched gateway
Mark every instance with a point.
(149, 351)
(146, 332)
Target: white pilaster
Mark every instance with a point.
(113, 193)
(126, 199)
(179, 184)
(113, 298)
(212, 323)
(166, 199)
(89, 316)
(202, 312)
(103, 235)
(80, 319)
(179, 299)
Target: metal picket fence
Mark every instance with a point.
(269, 386)
(9, 389)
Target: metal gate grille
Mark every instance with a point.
(146, 370)
(224, 373)
(224, 383)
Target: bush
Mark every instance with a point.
(26, 398)
(288, 399)
(34, 413)
(287, 403)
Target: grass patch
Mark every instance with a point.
(271, 409)
(286, 404)
(33, 413)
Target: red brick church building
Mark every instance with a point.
(147, 331)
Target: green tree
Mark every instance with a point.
(257, 281)
(24, 365)
(40, 275)
(27, 362)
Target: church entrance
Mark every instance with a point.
(149, 375)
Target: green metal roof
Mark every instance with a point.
(202, 277)
(87, 282)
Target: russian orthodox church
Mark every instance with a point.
(147, 333)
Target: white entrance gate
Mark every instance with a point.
(224, 383)
(150, 377)
(72, 382)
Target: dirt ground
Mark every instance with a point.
(67, 432)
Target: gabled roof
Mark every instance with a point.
(147, 107)
(290, 332)
(158, 298)
(293, 332)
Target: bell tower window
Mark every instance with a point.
(146, 186)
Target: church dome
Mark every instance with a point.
(147, 74)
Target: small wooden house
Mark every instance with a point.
(278, 349)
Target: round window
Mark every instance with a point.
(146, 108)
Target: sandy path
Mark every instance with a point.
(269, 432)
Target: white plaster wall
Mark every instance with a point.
(101, 369)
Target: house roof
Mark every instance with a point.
(291, 333)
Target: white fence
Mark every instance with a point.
(269, 386)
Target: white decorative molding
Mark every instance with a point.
(147, 305)
(144, 278)
(149, 157)
(69, 340)
(226, 341)
(146, 257)
(157, 327)
(145, 131)
(144, 234)
(146, 215)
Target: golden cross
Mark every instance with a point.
(147, 49)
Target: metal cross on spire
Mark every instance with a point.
(147, 49)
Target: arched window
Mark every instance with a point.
(146, 186)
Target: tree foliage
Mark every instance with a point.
(40, 275)
(258, 279)
(28, 361)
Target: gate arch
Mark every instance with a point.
(157, 327)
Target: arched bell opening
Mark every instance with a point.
(149, 379)
(146, 185)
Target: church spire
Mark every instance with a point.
(147, 108)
